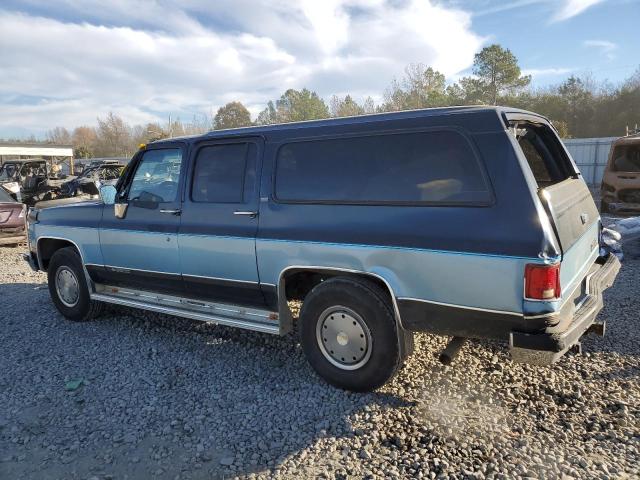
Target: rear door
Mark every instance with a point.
(560, 185)
(219, 222)
(564, 194)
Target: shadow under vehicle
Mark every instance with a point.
(620, 188)
(29, 181)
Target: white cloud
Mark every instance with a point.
(544, 72)
(142, 60)
(571, 8)
(606, 47)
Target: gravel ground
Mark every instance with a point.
(162, 397)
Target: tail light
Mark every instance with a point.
(542, 282)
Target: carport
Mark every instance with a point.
(55, 154)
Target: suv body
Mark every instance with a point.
(464, 221)
(621, 180)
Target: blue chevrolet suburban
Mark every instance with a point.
(470, 222)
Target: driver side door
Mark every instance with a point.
(141, 250)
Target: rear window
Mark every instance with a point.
(410, 168)
(542, 149)
(626, 158)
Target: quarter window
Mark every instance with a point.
(157, 176)
(219, 173)
(412, 168)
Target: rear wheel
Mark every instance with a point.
(68, 287)
(349, 334)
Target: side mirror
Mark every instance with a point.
(108, 194)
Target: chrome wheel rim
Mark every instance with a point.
(343, 337)
(67, 287)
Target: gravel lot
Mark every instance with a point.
(162, 397)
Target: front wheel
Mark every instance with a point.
(349, 334)
(68, 287)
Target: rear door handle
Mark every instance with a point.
(177, 211)
(246, 213)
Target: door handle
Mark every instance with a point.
(246, 213)
(177, 211)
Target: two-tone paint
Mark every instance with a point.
(449, 269)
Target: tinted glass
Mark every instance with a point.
(541, 148)
(403, 168)
(219, 173)
(157, 176)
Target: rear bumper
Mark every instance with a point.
(544, 348)
(12, 235)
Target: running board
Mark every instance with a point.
(217, 313)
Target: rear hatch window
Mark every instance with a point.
(545, 156)
(563, 193)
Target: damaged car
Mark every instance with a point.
(12, 219)
(90, 180)
(30, 181)
(621, 180)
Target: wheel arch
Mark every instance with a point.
(46, 246)
(305, 277)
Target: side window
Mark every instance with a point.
(219, 173)
(157, 176)
(412, 168)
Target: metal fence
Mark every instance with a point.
(591, 155)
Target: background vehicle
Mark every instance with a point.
(29, 181)
(620, 188)
(12, 219)
(90, 180)
(465, 222)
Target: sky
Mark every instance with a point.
(67, 62)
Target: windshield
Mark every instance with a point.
(8, 171)
(5, 197)
(626, 158)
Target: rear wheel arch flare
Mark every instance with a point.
(314, 275)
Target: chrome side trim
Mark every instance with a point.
(542, 315)
(283, 301)
(223, 314)
(137, 270)
(500, 312)
(222, 279)
(173, 273)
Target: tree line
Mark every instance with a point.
(578, 107)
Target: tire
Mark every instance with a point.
(68, 287)
(362, 349)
